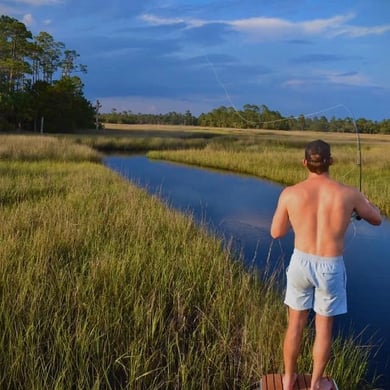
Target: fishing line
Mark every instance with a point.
(228, 97)
(221, 84)
(307, 115)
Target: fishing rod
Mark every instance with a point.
(355, 215)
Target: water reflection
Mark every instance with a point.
(240, 208)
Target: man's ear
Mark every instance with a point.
(330, 160)
(304, 162)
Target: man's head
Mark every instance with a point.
(317, 156)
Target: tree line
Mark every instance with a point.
(251, 116)
(38, 85)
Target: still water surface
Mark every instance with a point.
(240, 208)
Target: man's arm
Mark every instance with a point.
(280, 222)
(366, 210)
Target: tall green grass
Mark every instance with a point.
(103, 286)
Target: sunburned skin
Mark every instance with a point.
(319, 211)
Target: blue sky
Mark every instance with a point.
(156, 56)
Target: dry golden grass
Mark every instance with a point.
(268, 134)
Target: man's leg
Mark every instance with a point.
(292, 342)
(321, 349)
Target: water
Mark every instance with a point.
(240, 208)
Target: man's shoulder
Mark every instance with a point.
(291, 191)
(295, 187)
(345, 187)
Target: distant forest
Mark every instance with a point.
(251, 116)
(39, 90)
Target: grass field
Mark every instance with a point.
(185, 131)
(104, 286)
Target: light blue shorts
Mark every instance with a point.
(316, 282)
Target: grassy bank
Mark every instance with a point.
(128, 139)
(104, 286)
(279, 160)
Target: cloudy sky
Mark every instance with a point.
(155, 56)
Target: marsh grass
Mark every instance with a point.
(30, 147)
(140, 144)
(104, 286)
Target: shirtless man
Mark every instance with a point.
(319, 211)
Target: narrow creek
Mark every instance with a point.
(240, 208)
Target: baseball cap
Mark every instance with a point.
(317, 151)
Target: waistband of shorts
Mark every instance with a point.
(311, 257)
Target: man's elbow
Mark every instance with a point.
(371, 214)
(276, 233)
(376, 221)
(375, 218)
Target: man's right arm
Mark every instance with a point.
(366, 210)
(280, 221)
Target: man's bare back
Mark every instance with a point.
(319, 211)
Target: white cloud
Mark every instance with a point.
(355, 79)
(262, 28)
(28, 20)
(355, 31)
(295, 83)
(319, 26)
(274, 28)
(330, 77)
(156, 20)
